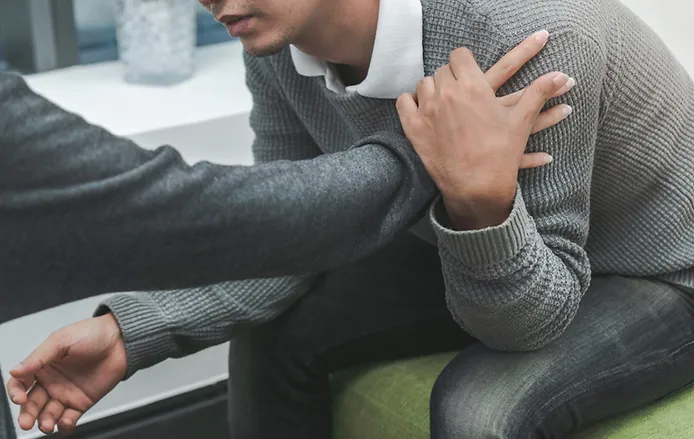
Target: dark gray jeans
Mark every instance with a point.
(631, 343)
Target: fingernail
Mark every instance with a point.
(542, 36)
(561, 79)
(570, 84)
(567, 110)
(549, 159)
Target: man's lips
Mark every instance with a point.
(236, 25)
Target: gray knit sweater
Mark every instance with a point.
(618, 198)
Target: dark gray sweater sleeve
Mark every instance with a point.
(85, 212)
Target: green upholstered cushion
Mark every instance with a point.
(391, 401)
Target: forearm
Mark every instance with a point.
(172, 324)
(506, 286)
(84, 212)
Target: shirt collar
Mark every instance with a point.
(396, 63)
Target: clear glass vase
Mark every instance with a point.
(156, 40)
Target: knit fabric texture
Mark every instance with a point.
(618, 198)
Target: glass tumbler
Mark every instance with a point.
(156, 40)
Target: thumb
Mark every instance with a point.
(539, 93)
(54, 347)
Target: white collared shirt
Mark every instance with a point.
(397, 62)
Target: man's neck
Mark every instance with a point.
(343, 33)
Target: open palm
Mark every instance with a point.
(70, 372)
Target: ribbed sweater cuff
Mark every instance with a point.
(147, 337)
(480, 248)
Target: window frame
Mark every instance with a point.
(38, 35)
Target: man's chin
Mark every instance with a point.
(257, 50)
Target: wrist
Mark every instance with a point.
(111, 323)
(118, 353)
(466, 214)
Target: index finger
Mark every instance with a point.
(52, 348)
(513, 61)
(538, 93)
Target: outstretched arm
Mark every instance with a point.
(84, 212)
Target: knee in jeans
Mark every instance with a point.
(462, 411)
(282, 347)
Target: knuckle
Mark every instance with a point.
(467, 86)
(429, 110)
(409, 123)
(542, 92)
(546, 94)
(448, 96)
(420, 87)
(416, 125)
(505, 65)
(56, 336)
(400, 104)
(81, 404)
(423, 85)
